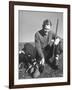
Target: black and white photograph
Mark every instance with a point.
(40, 50)
(40, 44)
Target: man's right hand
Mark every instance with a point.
(42, 61)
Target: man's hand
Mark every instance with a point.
(57, 41)
(51, 42)
(42, 61)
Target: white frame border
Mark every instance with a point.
(40, 80)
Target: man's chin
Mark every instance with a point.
(47, 31)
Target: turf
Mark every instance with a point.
(48, 70)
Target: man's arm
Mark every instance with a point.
(51, 38)
(38, 47)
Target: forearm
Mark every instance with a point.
(38, 45)
(39, 50)
(41, 54)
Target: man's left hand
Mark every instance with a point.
(57, 41)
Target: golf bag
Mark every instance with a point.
(28, 58)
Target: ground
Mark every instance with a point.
(48, 70)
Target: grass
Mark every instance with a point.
(48, 71)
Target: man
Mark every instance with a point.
(44, 41)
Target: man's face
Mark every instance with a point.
(47, 28)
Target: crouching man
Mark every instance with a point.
(44, 42)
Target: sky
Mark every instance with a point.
(29, 22)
